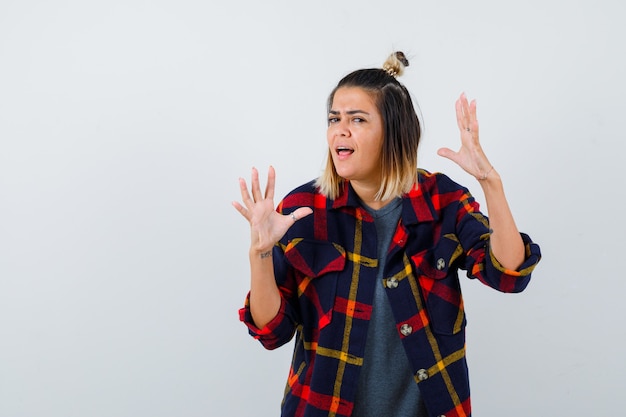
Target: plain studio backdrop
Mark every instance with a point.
(124, 126)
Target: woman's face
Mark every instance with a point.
(355, 136)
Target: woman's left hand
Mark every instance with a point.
(505, 240)
(471, 156)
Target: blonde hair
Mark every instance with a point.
(401, 127)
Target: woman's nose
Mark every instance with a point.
(342, 128)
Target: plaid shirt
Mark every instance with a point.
(326, 267)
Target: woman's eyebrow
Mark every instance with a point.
(350, 112)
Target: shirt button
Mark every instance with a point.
(441, 264)
(422, 375)
(392, 283)
(406, 329)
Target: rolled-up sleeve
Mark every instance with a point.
(488, 270)
(281, 328)
(274, 334)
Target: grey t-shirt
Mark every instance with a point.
(386, 387)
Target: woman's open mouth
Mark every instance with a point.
(344, 151)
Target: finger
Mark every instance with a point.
(464, 103)
(466, 111)
(256, 187)
(302, 212)
(472, 109)
(299, 213)
(475, 130)
(459, 115)
(241, 209)
(245, 195)
(462, 114)
(271, 182)
(448, 153)
(473, 119)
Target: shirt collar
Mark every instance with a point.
(417, 205)
(347, 198)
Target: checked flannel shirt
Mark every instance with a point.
(326, 267)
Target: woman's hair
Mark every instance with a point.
(401, 129)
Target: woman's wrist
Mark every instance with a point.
(484, 175)
(490, 179)
(260, 253)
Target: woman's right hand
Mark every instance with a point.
(266, 225)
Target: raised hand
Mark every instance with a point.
(471, 156)
(266, 225)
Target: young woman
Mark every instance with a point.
(361, 264)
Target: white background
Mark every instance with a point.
(124, 125)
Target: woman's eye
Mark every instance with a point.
(358, 120)
(333, 120)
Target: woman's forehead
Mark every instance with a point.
(353, 98)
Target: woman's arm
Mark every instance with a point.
(266, 228)
(506, 243)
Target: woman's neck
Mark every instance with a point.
(367, 194)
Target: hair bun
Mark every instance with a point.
(395, 64)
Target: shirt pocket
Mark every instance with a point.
(439, 281)
(317, 264)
